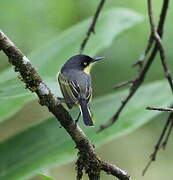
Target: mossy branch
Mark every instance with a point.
(87, 159)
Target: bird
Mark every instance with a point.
(75, 83)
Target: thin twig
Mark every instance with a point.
(165, 142)
(140, 62)
(158, 41)
(142, 74)
(122, 84)
(91, 28)
(87, 160)
(161, 50)
(159, 109)
(159, 144)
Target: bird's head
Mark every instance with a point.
(82, 62)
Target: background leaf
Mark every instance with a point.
(9, 107)
(43, 177)
(13, 88)
(46, 143)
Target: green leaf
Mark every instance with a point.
(50, 57)
(11, 106)
(43, 177)
(47, 143)
(12, 88)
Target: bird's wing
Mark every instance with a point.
(80, 91)
(69, 96)
(73, 91)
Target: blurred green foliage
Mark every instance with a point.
(43, 177)
(46, 143)
(35, 26)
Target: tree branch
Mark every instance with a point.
(168, 126)
(112, 169)
(158, 41)
(136, 83)
(159, 109)
(91, 28)
(87, 159)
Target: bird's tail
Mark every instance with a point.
(85, 112)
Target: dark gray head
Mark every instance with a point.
(79, 62)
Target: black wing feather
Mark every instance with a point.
(69, 97)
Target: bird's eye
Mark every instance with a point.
(85, 63)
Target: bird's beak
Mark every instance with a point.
(97, 59)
